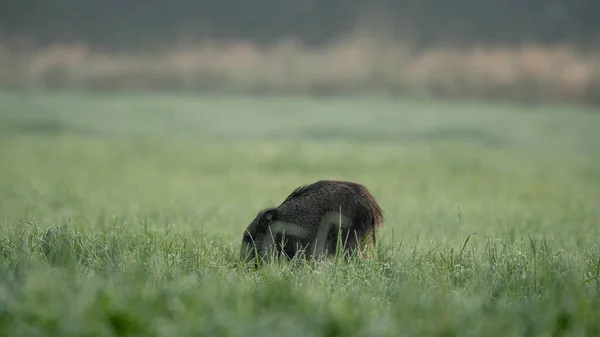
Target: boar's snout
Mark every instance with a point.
(247, 250)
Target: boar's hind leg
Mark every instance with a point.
(326, 238)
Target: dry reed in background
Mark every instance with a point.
(350, 65)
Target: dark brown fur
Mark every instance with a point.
(312, 211)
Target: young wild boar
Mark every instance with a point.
(309, 219)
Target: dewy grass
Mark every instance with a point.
(126, 222)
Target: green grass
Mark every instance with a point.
(492, 216)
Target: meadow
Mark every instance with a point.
(492, 218)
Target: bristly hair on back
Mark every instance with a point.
(301, 190)
(377, 214)
(297, 192)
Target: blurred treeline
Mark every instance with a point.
(125, 24)
(511, 49)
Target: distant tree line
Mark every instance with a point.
(140, 23)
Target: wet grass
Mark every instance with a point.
(492, 217)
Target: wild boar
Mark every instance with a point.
(310, 219)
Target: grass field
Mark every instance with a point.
(492, 216)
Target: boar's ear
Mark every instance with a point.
(269, 214)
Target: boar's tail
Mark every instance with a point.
(374, 213)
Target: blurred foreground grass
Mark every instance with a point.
(492, 216)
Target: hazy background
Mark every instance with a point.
(532, 50)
